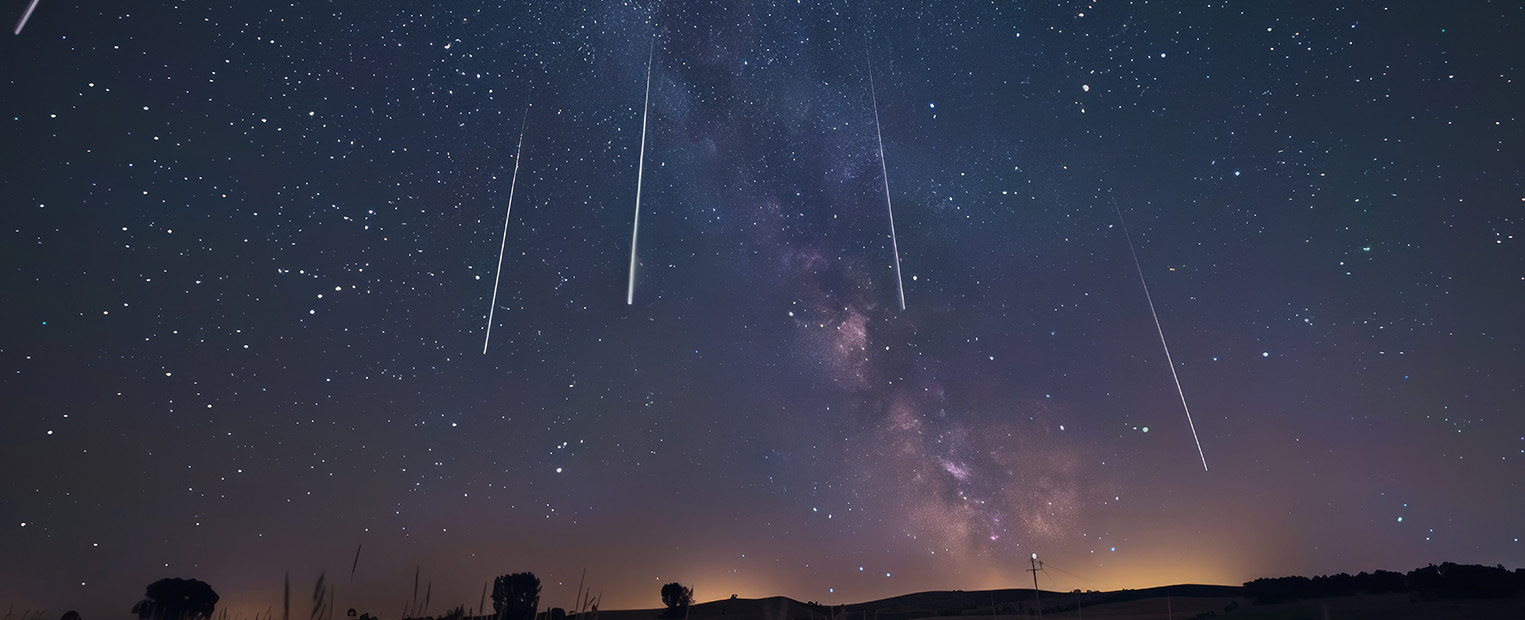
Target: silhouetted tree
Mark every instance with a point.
(176, 599)
(677, 599)
(516, 596)
(70, 615)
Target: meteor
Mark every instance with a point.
(518, 153)
(640, 170)
(25, 16)
(885, 173)
(1161, 330)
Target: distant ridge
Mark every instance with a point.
(1446, 590)
(972, 604)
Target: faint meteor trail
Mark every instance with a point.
(25, 16)
(1161, 330)
(635, 229)
(518, 153)
(884, 171)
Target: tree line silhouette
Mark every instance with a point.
(1447, 580)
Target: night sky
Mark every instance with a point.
(251, 250)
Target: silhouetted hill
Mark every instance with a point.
(1446, 590)
(972, 604)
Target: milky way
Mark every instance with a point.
(248, 249)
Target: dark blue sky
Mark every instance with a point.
(252, 251)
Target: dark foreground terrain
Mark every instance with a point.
(1183, 602)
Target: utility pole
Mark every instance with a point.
(1038, 599)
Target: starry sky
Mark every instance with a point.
(251, 250)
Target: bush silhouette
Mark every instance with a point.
(176, 599)
(677, 599)
(516, 596)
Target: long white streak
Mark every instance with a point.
(1161, 330)
(25, 16)
(885, 173)
(518, 153)
(640, 171)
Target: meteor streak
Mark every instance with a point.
(884, 172)
(25, 16)
(640, 170)
(518, 152)
(1161, 330)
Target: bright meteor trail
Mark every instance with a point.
(640, 170)
(1161, 330)
(25, 16)
(518, 152)
(884, 171)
